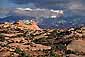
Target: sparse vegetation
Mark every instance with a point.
(21, 53)
(52, 54)
(46, 43)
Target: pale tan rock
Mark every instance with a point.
(17, 40)
(32, 47)
(77, 45)
(40, 47)
(16, 55)
(73, 55)
(10, 35)
(5, 54)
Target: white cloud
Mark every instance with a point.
(23, 9)
(57, 11)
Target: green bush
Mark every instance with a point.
(54, 55)
(21, 53)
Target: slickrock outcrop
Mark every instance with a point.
(28, 40)
(77, 45)
(32, 26)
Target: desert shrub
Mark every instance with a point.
(21, 53)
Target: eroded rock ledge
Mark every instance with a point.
(28, 40)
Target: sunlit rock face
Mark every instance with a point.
(31, 25)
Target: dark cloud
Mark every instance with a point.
(19, 1)
(38, 1)
(49, 4)
(24, 1)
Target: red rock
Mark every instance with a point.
(33, 26)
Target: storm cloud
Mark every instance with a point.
(76, 6)
(50, 4)
(55, 4)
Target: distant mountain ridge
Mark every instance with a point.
(60, 22)
(66, 20)
(14, 18)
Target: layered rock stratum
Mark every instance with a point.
(28, 40)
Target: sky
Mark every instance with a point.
(50, 4)
(76, 6)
